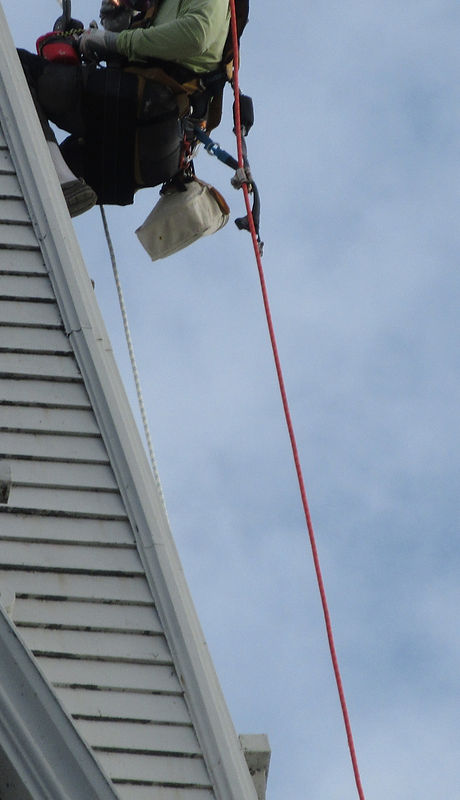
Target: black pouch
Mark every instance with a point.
(110, 109)
(133, 135)
(158, 135)
(104, 154)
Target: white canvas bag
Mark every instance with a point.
(181, 217)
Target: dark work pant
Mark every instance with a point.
(56, 90)
(117, 143)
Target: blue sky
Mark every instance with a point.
(355, 151)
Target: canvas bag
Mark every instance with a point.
(181, 217)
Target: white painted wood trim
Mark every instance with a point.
(85, 327)
(38, 739)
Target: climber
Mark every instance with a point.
(124, 118)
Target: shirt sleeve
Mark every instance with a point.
(200, 27)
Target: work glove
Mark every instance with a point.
(115, 18)
(96, 45)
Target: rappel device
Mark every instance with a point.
(204, 99)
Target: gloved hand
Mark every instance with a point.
(96, 45)
(115, 18)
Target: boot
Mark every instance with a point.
(78, 196)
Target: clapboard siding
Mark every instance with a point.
(9, 187)
(74, 615)
(48, 420)
(155, 769)
(153, 738)
(98, 645)
(20, 261)
(26, 286)
(17, 235)
(75, 586)
(65, 529)
(34, 340)
(81, 502)
(13, 210)
(69, 558)
(6, 165)
(70, 673)
(52, 474)
(38, 366)
(30, 314)
(58, 448)
(25, 390)
(130, 792)
(139, 707)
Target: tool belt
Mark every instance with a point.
(133, 126)
(133, 134)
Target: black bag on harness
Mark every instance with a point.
(132, 138)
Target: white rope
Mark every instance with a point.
(132, 358)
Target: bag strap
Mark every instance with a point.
(147, 19)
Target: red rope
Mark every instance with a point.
(287, 414)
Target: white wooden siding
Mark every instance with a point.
(36, 365)
(160, 678)
(99, 645)
(14, 210)
(60, 529)
(32, 391)
(28, 314)
(76, 476)
(67, 550)
(20, 261)
(156, 770)
(76, 615)
(35, 584)
(55, 447)
(41, 341)
(47, 420)
(83, 703)
(10, 187)
(61, 557)
(151, 737)
(17, 235)
(26, 286)
(163, 793)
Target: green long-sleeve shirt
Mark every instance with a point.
(189, 32)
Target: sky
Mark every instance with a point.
(355, 150)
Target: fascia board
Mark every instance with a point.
(37, 738)
(84, 325)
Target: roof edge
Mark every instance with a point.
(37, 737)
(84, 325)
